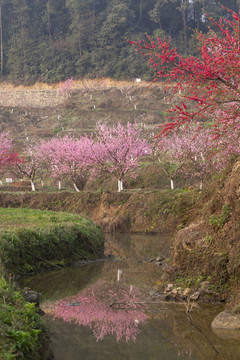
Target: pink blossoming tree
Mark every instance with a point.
(67, 157)
(191, 151)
(118, 150)
(29, 164)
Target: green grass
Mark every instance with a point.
(33, 240)
(14, 218)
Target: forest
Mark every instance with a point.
(53, 40)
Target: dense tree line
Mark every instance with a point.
(52, 40)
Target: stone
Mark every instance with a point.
(226, 320)
(160, 258)
(195, 295)
(186, 291)
(169, 288)
(205, 285)
(31, 296)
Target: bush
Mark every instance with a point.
(22, 332)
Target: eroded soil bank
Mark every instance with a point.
(129, 211)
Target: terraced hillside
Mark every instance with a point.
(43, 113)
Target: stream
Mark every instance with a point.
(102, 310)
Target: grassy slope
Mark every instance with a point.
(32, 240)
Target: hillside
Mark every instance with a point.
(41, 112)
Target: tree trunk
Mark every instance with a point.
(140, 11)
(49, 19)
(79, 44)
(75, 187)
(172, 184)
(33, 185)
(59, 185)
(185, 30)
(1, 40)
(120, 185)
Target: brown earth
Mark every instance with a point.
(134, 211)
(209, 247)
(41, 112)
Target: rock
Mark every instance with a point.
(205, 285)
(75, 303)
(195, 295)
(169, 288)
(31, 296)
(153, 293)
(174, 292)
(226, 320)
(225, 334)
(160, 258)
(186, 291)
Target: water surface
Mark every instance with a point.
(118, 320)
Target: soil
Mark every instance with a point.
(152, 211)
(209, 247)
(82, 108)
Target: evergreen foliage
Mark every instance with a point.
(52, 40)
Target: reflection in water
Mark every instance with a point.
(108, 309)
(165, 335)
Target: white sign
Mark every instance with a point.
(9, 180)
(138, 80)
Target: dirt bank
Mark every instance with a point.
(209, 247)
(133, 211)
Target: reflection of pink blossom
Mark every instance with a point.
(107, 310)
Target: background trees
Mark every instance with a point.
(52, 40)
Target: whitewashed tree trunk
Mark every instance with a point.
(119, 273)
(120, 185)
(75, 187)
(201, 185)
(41, 182)
(59, 185)
(172, 184)
(33, 185)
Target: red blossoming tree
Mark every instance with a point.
(7, 155)
(208, 83)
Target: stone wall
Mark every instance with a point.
(31, 98)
